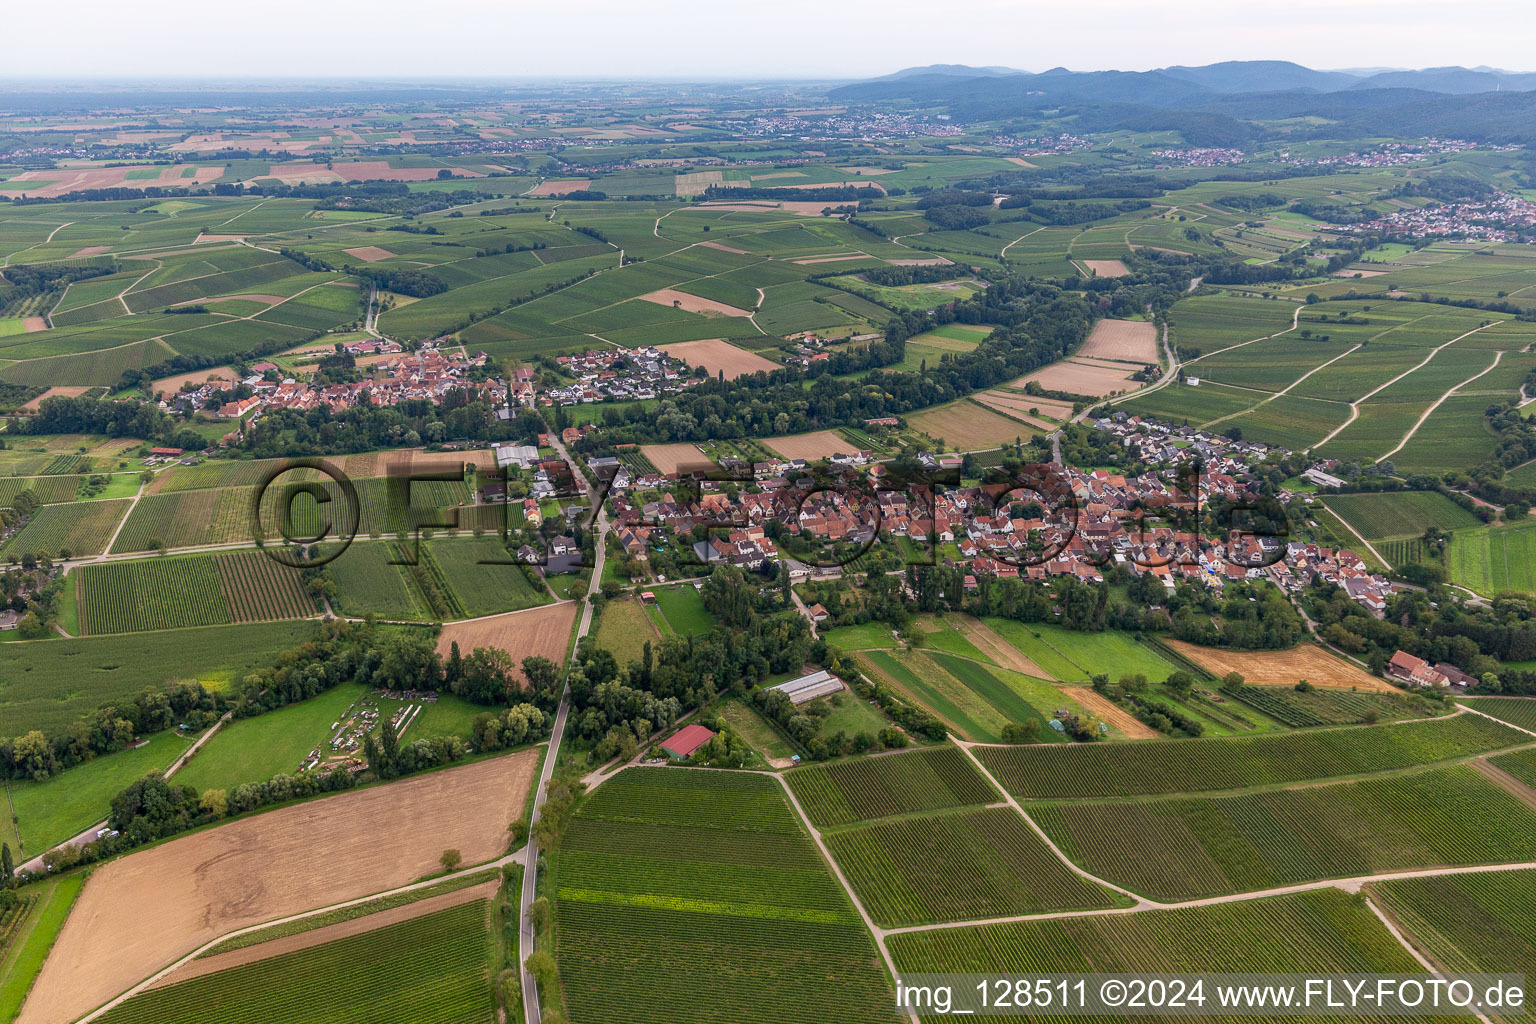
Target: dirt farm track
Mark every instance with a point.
(142, 912)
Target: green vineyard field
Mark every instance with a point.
(1235, 762)
(1285, 934)
(192, 590)
(867, 788)
(1519, 711)
(955, 867)
(1189, 847)
(1477, 922)
(429, 970)
(82, 528)
(667, 866)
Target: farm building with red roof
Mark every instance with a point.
(686, 740)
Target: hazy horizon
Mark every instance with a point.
(797, 40)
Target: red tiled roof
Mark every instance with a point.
(688, 739)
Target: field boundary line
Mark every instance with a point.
(1350, 885)
(877, 932)
(515, 857)
(1397, 933)
(1354, 407)
(1439, 402)
(1016, 241)
(1295, 322)
(34, 245)
(1517, 728)
(242, 213)
(1286, 390)
(1013, 802)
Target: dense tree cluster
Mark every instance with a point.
(679, 673)
(362, 428)
(35, 755)
(416, 283)
(64, 414)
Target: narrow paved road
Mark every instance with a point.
(527, 942)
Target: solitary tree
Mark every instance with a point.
(542, 966)
(450, 860)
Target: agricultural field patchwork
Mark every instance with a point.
(1236, 762)
(956, 867)
(1185, 848)
(713, 869)
(862, 790)
(1476, 922)
(925, 264)
(1280, 934)
(432, 968)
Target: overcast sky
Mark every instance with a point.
(780, 38)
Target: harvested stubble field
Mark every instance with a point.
(430, 969)
(670, 459)
(1018, 405)
(993, 646)
(259, 951)
(1107, 268)
(717, 356)
(1082, 377)
(1132, 341)
(1118, 719)
(172, 385)
(966, 426)
(1284, 668)
(54, 392)
(369, 253)
(540, 631)
(144, 911)
(692, 303)
(560, 187)
(819, 445)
